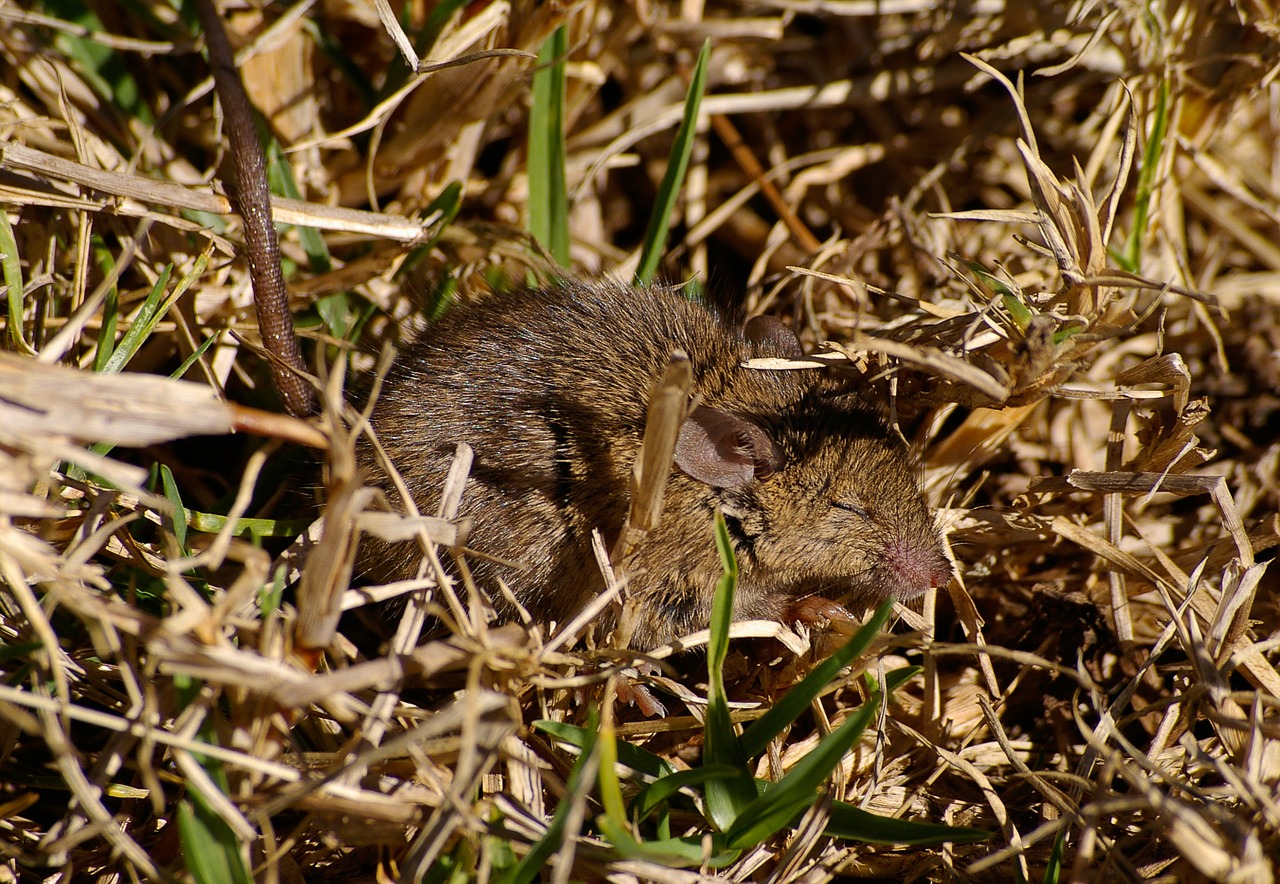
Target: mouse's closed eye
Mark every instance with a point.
(852, 506)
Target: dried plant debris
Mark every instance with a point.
(1046, 236)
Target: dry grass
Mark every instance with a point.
(1080, 329)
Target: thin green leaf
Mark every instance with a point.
(548, 190)
(175, 499)
(501, 857)
(655, 237)
(1053, 869)
(610, 788)
(336, 313)
(672, 852)
(209, 847)
(452, 868)
(102, 67)
(212, 523)
(19, 651)
(1131, 258)
(441, 298)
(270, 595)
(756, 738)
(423, 42)
(726, 797)
(182, 369)
(435, 23)
(283, 182)
(151, 312)
(855, 824)
(11, 267)
(1064, 334)
(579, 778)
(447, 204)
(648, 799)
(110, 306)
(785, 800)
(994, 283)
(895, 678)
(353, 75)
(629, 756)
(1017, 310)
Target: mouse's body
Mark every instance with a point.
(551, 389)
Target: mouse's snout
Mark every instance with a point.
(912, 565)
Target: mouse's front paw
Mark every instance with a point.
(633, 692)
(814, 610)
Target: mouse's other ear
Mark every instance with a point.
(769, 336)
(724, 450)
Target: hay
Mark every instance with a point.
(1049, 234)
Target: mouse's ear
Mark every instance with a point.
(771, 337)
(724, 450)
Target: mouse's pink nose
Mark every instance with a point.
(912, 567)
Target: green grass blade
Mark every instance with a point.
(182, 369)
(1053, 870)
(341, 311)
(855, 824)
(580, 778)
(444, 10)
(785, 800)
(282, 181)
(633, 757)
(441, 296)
(756, 738)
(655, 237)
(110, 306)
(338, 313)
(652, 796)
(1021, 315)
(1131, 258)
(548, 189)
(11, 268)
(447, 204)
(175, 500)
(423, 42)
(352, 75)
(209, 847)
(103, 68)
(19, 651)
(726, 797)
(271, 594)
(672, 852)
(996, 286)
(144, 320)
(898, 677)
(610, 788)
(151, 312)
(212, 523)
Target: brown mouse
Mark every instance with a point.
(551, 388)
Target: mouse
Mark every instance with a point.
(550, 388)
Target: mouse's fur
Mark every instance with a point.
(550, 389)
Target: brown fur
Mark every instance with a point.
(551, 388)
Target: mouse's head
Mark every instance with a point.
(819, 496)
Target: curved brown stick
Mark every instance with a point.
(253, 200)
